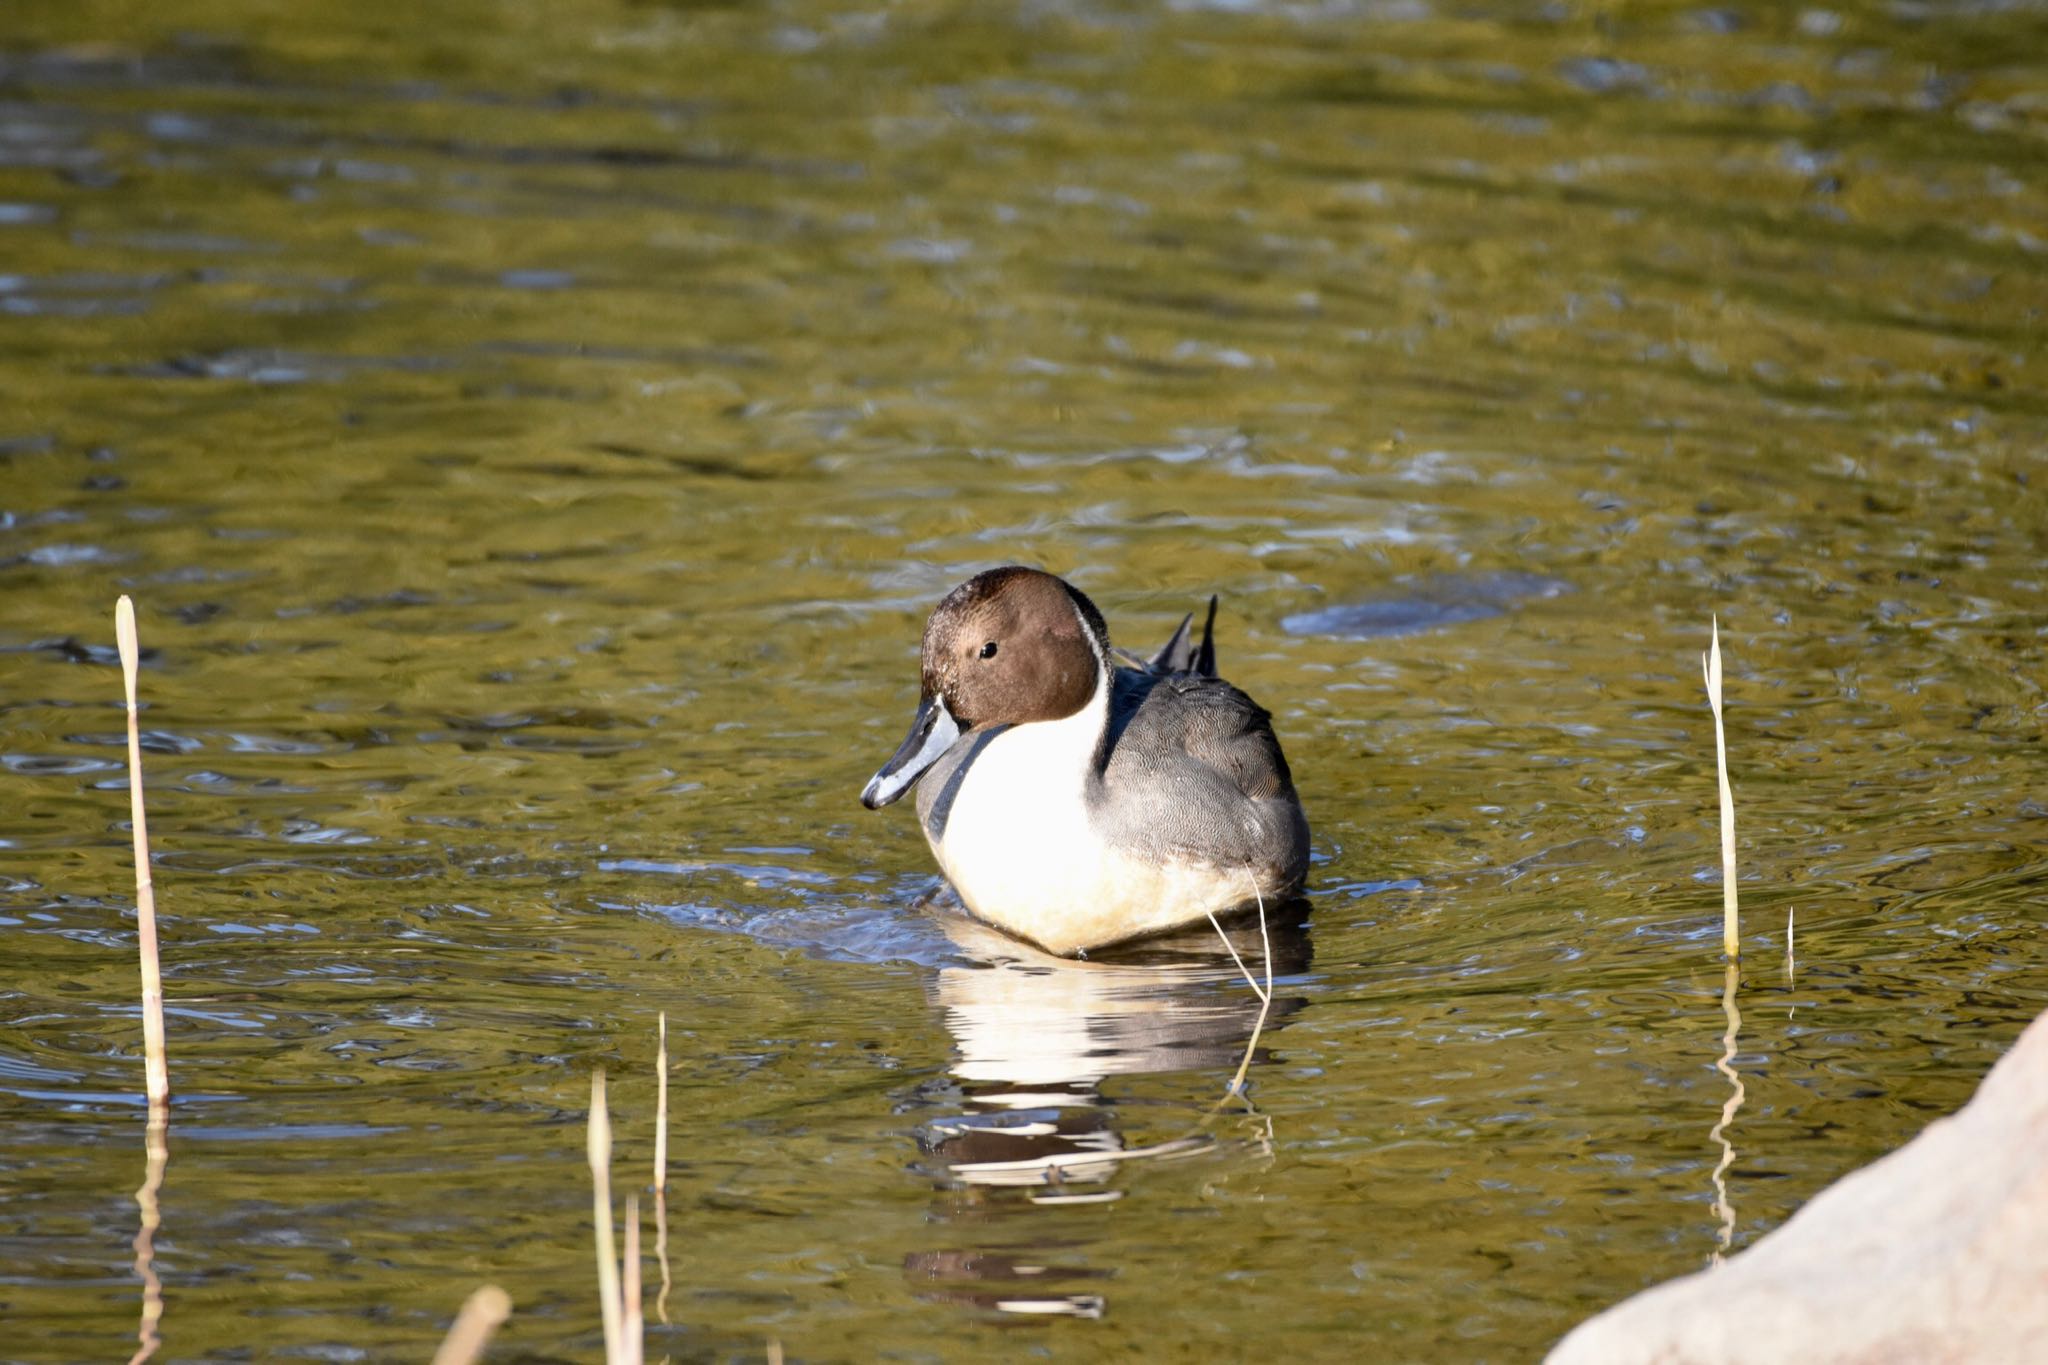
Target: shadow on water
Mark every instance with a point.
(1035, 1038)
(1427, 603)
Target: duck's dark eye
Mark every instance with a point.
(988, 651)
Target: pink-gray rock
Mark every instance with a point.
(1937, 1253)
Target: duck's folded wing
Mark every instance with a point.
(1234, 802)
(1228, 731)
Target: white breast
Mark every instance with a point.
(1021, 851)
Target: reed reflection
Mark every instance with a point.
(1036, 1038)
(157, 1154)
(1724, 1207)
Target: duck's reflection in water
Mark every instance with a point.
(1035, 1037)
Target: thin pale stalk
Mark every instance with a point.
(1731, 943)
(483, 1313)
(155, 1068)
(661, 1171)
(661, 1109)
(634, 1324)
(1244, 1063)
(599, 1148)
(1265, 994)
(156, 1072)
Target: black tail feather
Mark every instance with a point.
(1205, 658)
(1178, 655)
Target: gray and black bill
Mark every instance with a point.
(931, 734)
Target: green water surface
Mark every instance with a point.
(533, 432)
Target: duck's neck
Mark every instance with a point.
(1091, 723)
(1097, 712)
(1074, 747)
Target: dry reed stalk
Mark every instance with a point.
(599, 1149)
(633, 1326)
(1710, 663)
(661, 1108)
(483, 1313)
(1236, 1086)
(156, 1072)
(661, 1174)
(155, 1067)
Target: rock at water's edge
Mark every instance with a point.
(1937, 1253)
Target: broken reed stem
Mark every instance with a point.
(1265, 995)
(483, 1313)
(1731, 943)
(156, 1073)
(633, 1324)
(599, 1148)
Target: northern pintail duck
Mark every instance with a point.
(1075, 803)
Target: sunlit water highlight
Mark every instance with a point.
(532, 436)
